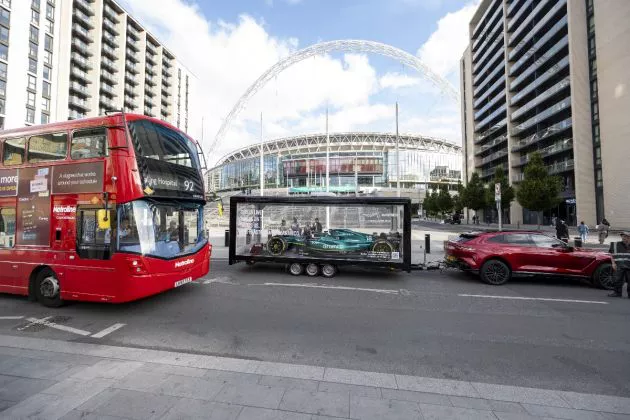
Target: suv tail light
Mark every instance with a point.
(136, 266)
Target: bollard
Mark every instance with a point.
(427, 243)
(227, 238)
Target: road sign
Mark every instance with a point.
(497, 191)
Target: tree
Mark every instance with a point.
(538, 191)
(507, 191)
(444, 200)
(430, 204)
(474, 194)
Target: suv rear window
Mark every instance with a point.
(465, 237)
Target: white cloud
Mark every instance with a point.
(227, 57)
(445, 46)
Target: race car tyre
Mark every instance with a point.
(382, 246)
(47, 289)
(495, 272)
(296, 269)
(329, 270)
(276, 245)
(312, 270)
(603, 277)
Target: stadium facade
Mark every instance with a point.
(362, 163)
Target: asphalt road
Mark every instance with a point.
(418, 324)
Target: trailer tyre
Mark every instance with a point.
(296, 269)
(312, 270)
(329, 270)
(47, 289)
(276, 245)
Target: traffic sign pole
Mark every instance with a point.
(497, 199)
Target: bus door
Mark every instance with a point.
(8, 271)
(92, 271)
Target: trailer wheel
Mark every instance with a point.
(312, 270)
(47, 289)
(276, 245)
(296, 269)
(329, 270)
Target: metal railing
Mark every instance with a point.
(543, 134)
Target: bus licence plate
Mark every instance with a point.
(183, 281)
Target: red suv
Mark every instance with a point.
(497, 256)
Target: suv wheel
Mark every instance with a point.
(603, 277)
(495, 272)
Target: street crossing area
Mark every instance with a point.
(54, 326)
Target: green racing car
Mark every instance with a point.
(336, 241)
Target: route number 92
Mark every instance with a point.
(189, 185)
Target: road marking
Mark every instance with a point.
(323, 286)
(108, 330)
(222, 280)
(532, 298)
(12, 317)
(44, 321)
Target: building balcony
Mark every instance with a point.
(132, 67)
(108, 90)
(541, 98)
(492, 157)
(481, 137)
(540, 24)
(149, 93)
(498, 113)
(538, 45)
(150, 81)
(164, 101)
(150, 69)
(166, 81)
(523, 32)
(110, 13)
(548, 132)
(82, 33)
(78, 103)
(547, 56)
(484, 19)
(79, 89)
(109, 51)
(150, 58)
(558, 147)
(167, 63)
(543, 78)
(494, 142)
(487, 173)
(105, 75)
(148, 102)
(130, 104)
(75, 115)
(110, 39)
(79, 74)
(518, 17)
(542, 116)
(490, 91)
(492, 102)
(81, 61)
(85, 6)
(132, 56)
(130, 91)
(132, 44)
(165, 92)
(133, 33)
(560, 167)
(148, 112)
(131, 79)
(80, 46)
(83, 19)
(488, 77)
(151, 48)
(106, 102)
(109, 64)
(111, 27)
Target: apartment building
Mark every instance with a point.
(550, 76)
(68, 59)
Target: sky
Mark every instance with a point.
(227, 45)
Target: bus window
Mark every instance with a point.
(14, 151)
(92, 242)
(88, 143)
(7, 227)
(45, 147)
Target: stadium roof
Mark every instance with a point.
(354, 141)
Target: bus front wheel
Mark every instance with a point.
(47, 289)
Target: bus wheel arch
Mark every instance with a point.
(44, 287)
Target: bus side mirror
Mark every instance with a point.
(104, 222)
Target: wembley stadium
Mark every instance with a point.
(360, 163)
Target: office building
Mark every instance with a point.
(550, 76)
(67, 59)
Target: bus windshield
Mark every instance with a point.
(160, 229)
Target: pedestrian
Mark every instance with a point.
(620, 252)
(602, 230)
(559, 229)
(564, 231)
(318, 226)
(583, 231)
(295, 226)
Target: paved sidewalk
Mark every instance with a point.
(48, 379)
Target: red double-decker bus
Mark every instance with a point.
(105, 209)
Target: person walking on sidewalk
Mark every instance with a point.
(583, 231)
(602, 230)
(562, 231)
(620, 252)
